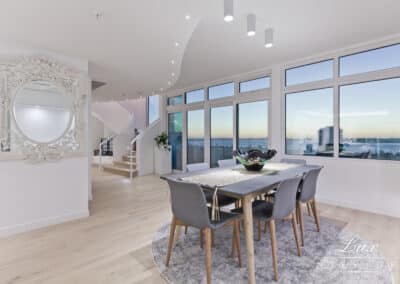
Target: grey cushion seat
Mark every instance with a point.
(259, 207)
(225, 217)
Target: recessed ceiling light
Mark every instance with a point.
(187, 17)
(161, 89)
(169, 83)
(172, 62)
(173, 74)
(99, 15)
(176, 44)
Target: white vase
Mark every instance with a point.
(162, 161)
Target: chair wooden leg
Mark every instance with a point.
(308, 208)
(233, 241)
(171, 239)
(315, 213)
(301, 222)
(259, 229)
(186, 229)
(296, 235)
(273, 245)
(201, 238)
(208, 254)
(237, 238)
(297, 214)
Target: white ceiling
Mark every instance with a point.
(131, 47)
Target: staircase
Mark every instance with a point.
(123, 167)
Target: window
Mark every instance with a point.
(309, 123)
(310, 73)
(153, 109)
(177, 100)
(221, 134)
(253, 126)
(195, 96)
(253, 85)
(371, 60)
(370, 120)
(195, 136)
(175, 138)
(221, 91)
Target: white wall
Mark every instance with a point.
(145, 149)
(36, 195)
(138, 108)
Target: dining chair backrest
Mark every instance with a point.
(294, 161)
(197, 167)
(189, 204)
(226, 163)
(309, 186)
(285, 198)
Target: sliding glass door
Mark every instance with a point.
(195, 136)
(175, 138)
(221, 134)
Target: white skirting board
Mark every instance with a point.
(21, 228)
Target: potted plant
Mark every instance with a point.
(162, 141)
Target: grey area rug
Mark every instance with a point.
(331, 256)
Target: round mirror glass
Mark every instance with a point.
(42, 112)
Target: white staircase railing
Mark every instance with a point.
(105, 141)
(133, 141)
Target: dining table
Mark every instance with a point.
(244, 185)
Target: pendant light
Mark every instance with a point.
(251, 24)
(269, 38)
(228, 10)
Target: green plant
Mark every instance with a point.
(162, 141)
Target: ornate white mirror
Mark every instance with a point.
(42, 109)
(42, 112)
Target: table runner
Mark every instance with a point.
(237, 174)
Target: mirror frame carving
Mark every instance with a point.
(15, 73)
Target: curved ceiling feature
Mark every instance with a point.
(301, 29)
(130, 43)
(129, 47)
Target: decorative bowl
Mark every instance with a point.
(254, 159)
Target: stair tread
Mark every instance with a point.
(119, 168)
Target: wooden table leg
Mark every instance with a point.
(248, 231)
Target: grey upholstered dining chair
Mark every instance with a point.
(307, 195)
(189, 208)
(197, 167)
(294, 161)
(226, 163)
(284, 206)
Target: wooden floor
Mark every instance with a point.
(113, 244)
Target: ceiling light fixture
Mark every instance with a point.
(228, 10)
(172, 62)
(251, 24)
(269, 38)
(176, 44)
(169, 83)
(187, 17)
(173, 74)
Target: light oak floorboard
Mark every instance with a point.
(113, 245)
